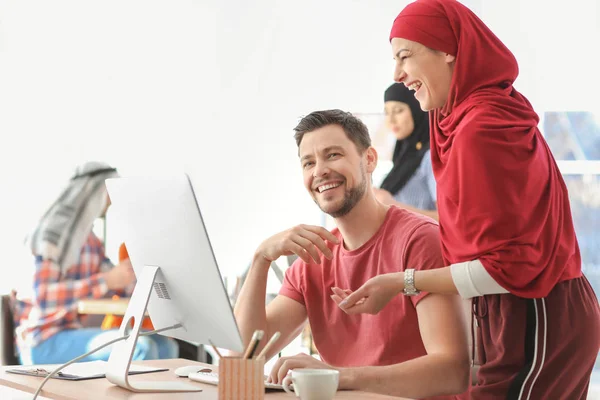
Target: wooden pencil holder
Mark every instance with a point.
(241, 378)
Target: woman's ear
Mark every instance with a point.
(449, 58)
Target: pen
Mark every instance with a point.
(269, 344)
(256, 337)
(67, 376)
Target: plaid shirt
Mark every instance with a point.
(53, 307)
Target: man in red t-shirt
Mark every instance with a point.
(417, 345)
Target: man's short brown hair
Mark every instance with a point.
(354, 128)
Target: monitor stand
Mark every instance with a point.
(122, 352)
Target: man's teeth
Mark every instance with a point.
(415, 86)
(327, 187)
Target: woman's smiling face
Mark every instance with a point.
(428, 72)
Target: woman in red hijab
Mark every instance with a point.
(505, 220)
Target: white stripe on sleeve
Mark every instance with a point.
(472, 280)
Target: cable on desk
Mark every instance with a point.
(58, 369)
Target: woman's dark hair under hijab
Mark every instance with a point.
(407, 153)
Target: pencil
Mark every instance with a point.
(215, 348)
(270, 344)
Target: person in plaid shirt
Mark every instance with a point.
(70, 265)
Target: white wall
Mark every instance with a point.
(136, 84)
(217, 87)
(556, 44)
(279, 61)
(129, 82)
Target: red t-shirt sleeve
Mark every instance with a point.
(424, 251)
(292, 282)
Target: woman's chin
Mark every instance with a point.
(424, 98)
(426, 105)
(402, 135)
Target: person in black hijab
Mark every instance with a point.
(410, 183)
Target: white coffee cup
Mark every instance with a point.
(312, 384)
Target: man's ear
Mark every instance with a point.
(372, 158)
(449, 58)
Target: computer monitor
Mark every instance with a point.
(178, 279)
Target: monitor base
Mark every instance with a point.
(119, 361)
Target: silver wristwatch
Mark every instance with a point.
(409, 283)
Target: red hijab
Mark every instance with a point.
(501, 198)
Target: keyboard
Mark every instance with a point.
(212, 378)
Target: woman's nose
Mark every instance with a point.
(399, 74)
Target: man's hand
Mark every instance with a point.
(372, 296)
(306, 241)
(301, 360)
(120, 276)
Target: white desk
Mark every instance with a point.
(102, 389)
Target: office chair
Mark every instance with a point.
(8, 353)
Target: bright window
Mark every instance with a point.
(574, 138)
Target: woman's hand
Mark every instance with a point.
(372, 296)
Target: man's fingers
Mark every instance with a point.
(324, 233)
(283, 371)
(300, 252)
(297, 361)
(275, 370)
(318, 241)
(289, 364)
(284, 364)
(308, 246)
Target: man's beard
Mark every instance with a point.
(351, 198)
